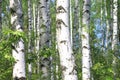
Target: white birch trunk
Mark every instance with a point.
(115, 26)
(35, 32)
(115, 36)
(38, 38)
(45, 37)
(107, 26)
(30, 47)
(71, 23)
(67, 61)
(18, 51)
(86, 59)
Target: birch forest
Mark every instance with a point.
(59, 39)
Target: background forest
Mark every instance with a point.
(60, 40)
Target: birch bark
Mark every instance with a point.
(86, 59)
(30, 45)
(45, 37)
(18, 51)
(115, 37)
(67, 60)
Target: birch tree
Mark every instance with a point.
(45, 37)
(67, 60)
(18, 50)
(30, 30)
(86, 60)
(36, 35)
(37, 28)
(71, 23)
(115, 37)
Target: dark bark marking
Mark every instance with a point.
(59, 22)
(73, 71)
(23, 50)
(87, 11)
(21, 78)
(13, 47)
(61, 9)
(87, 5)
(17, 60)
(12, 11)
(42, 6)
(63, 41)
(63, 68)
(85, 47)
(83, 36)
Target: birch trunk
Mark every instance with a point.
(45, 37)
(67, 61)
(30, 46)
(35, 32)
(115, 37)
(18, 51)
(86, 60)
(107, 26)
(71, 23)
(38, 38)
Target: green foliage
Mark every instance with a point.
(15, 35)
(6, 41)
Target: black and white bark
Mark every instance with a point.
(86, 59)
(67, 60)
(30, 43)
(45, 38)
(115, 37)
(18, 52)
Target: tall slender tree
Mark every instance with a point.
(67, 60)
(86, 59)
(36, 35)
(45, 37)
(30, 30)
(18, 50)
(115, 37)
(71, 23)
(37, 28)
